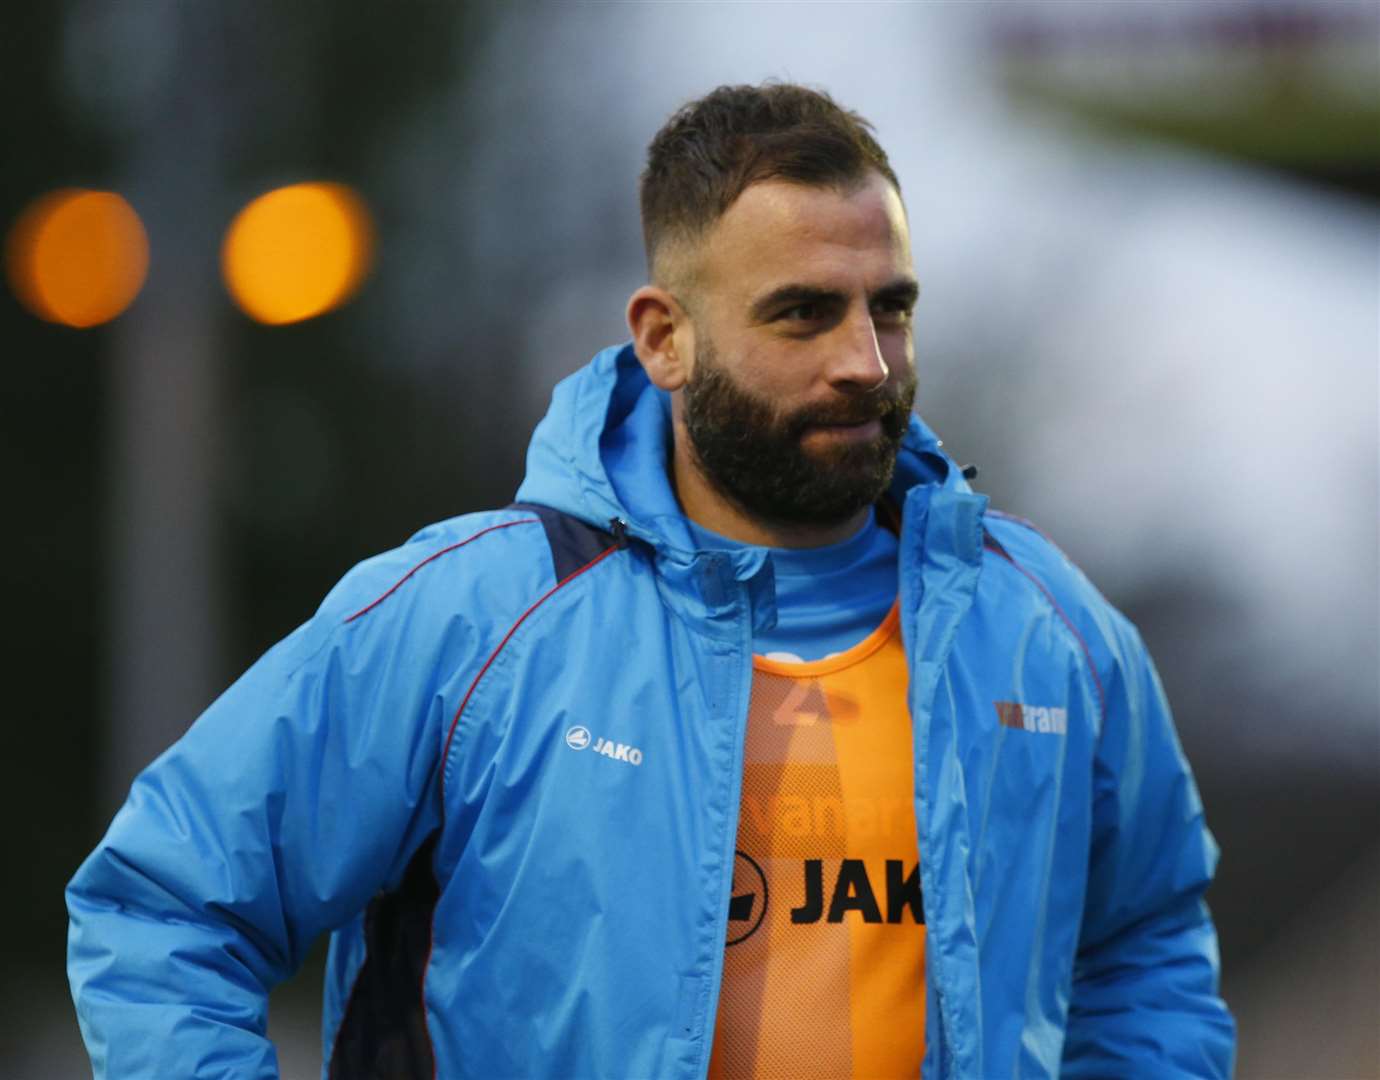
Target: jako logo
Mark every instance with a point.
(578, 738)
(1039, 718)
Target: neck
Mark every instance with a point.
(709, 508)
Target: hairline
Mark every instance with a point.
(686, 245)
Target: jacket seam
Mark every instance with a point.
(433, 557)
(998, 550)
(1016, 519)
(450, 735)
(493, 656)
(354, 983)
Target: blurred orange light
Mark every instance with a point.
(77, 257)
(297, 252)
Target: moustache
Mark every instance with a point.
(893, 411)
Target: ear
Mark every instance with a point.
(656, 320)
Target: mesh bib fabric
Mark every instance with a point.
(825, 956)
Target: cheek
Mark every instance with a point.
(898, 350)
(773, 374)
(791, 386)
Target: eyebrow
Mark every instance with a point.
(902, 290)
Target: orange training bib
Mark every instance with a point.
(824, 965)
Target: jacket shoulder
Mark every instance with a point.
(432, 566)
(1024, 543)
(1109, 638)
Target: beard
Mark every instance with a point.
(755, 456)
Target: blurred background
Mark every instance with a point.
(285, 282)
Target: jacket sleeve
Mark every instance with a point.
(1145, 997)
(295, 797)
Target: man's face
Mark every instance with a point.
(761, 458)
(803, 375)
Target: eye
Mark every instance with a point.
(895, 311)
(806, 312)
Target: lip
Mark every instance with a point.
(861, 432)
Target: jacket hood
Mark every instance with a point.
(602, 452)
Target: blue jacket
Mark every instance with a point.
(501, 766)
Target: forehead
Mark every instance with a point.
(778, 232)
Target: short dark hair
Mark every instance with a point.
(712, 149)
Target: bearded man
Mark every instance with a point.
(748, 742)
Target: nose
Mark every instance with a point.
(858, 365)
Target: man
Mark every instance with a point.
(748, 742)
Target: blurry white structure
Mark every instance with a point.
(148, 72)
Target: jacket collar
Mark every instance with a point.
(601, 452)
